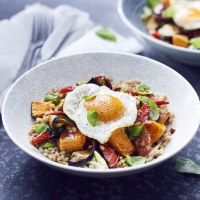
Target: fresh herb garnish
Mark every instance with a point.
(185, 165)
(153, 3)
(87, 97)
(154, 111)
(135, 160)
(47, 145)
(135, 131)
(93, 117)
(169, 12)
(106, 34)
(52, 97)
(40, 128)
(143, 89)
(195, 42)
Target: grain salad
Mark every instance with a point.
(100, 124)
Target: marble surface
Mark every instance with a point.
(22, 177)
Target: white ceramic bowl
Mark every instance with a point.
(130, 12)
(184, 102)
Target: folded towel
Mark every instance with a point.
(70, 24)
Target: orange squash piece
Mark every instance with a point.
(69, 142)
(151, 132)
(166, 3)
(180, 40)
(38, 109)
(120, 141)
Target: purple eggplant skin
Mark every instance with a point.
(192, 34)
(101, 81)
(89, 158)
(159, 19)
(166, 39)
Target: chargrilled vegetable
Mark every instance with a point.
(69, 142)
(101, 81)
(41, 138)
(81, 157)
(67, 89)
(143, 113)
(151, 23)
(163, 119)
(152, 131)
(120, 141)
(168, 30)
(40, 108)
(57, 122)
(180, 40)
(110, 155)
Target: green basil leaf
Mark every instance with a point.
(135, 160)
(93, 117)
(154, 111)
(87, 97)
(143, 89)
(100, 160)
(153, 3)
(106, 34)
(40, 128)
(185, 165)
(52, 97)
(143, 99)
(134, 132)
(170, 12)
(195, 42)
(47, 145)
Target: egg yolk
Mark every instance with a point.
(108, 107)
(193, 12)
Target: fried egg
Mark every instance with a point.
(115, 110)
(187, 15)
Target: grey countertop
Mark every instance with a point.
(22, 177)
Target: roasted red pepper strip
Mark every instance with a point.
(110, 155)
(132, 92)
(155, 34)
(41, 138)
(143, 113)
(117, 89)
(67, 89)
(158, 101)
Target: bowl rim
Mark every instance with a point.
(102, 171)
(147, 36)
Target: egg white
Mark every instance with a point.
(181, 17)
(74, 108)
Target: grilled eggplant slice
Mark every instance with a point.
(86, 157)
(101, 81)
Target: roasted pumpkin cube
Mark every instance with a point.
(38, 109)
(69, 142)
(120, 141)
(180, 40)
(166, 3)
(151, 132)
(155, 130)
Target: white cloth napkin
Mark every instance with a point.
(76, 25)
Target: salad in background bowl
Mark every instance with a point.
(176, 22)
(171, 27)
